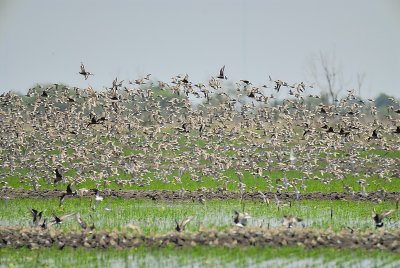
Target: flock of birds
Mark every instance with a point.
(135, 133)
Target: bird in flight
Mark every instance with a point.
(36, 215)
(240, 219)
(66, 193)
(181, 227)
(83, 223)
(84, 72)
(378, 218)
(58, 219)
(222, 73)
(98, 199)
(58, 177)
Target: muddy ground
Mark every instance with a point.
(18, 237)
(167, 195)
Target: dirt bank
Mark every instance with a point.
(167, 195)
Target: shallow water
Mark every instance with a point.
(178, 260)
(160, 217)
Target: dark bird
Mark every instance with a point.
(221, 73)
(185, 79)
(66, 193)
(330, 130)
(181, 227)
(94, 120)
(246, 82)
(44, 223)
(62, 200)
(378, 218)
(374, 135)
(58, 177)
(84, 72)
(343, 132)
(36, 216)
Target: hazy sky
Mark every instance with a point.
(44, 41)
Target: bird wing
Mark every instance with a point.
(62, 199)
(69, 188)
(81, 222)
(387, 213)
(296, 219)
(221, 72)
(66, 216)
(34, 212)
(185, 222)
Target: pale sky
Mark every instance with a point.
(44, 41)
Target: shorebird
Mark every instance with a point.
(36, 216)
(84, 72)
(181, 227)
(263, 196)
(378, 218)
(58, 219)
(221, 73)
(58, 177)
(44, 223)
(290, 221)
(83, 223)
(97, 199)
(240, 219)
(66, 193)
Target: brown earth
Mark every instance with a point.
(18, 237)
(169, 195)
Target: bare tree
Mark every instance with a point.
(327, 74)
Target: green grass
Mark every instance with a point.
(196, 256)
(258, 183)
(156, 217)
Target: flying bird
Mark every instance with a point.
(84, 72)
(66, 193)
(59, 219)
(378, 218)
(181, 227)
(222, 73)
(58, 177)
(240, 219)
(36, 216)
(83, 223)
